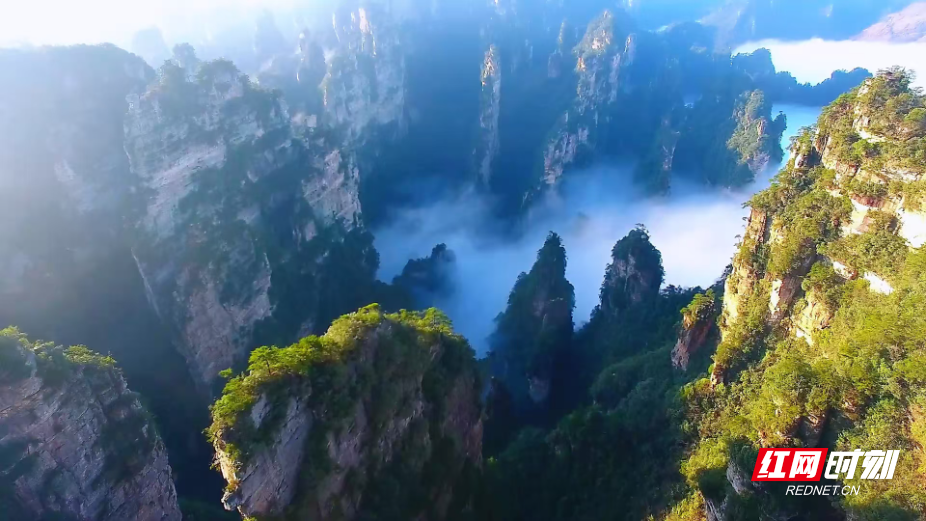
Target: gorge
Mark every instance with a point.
(566, 183)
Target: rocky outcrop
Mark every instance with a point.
(689, 342)
(562, 149)
(490, 107)
(601, 57)
(429, 278)
(219, 163)
(635, 273)
(698, 320)
(364, 84)
(535, 329)
(740, 484)
(76, 442)
(745, 274)
(397, 395)
(814, 315)
(784, 293)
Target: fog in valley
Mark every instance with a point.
(694, 227)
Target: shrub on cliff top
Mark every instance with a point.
(701, 308)
(321, 363)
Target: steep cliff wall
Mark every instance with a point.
(604, 52)
(817, 304)
(490, 107)
(698, 320)
(75, 442)
(380, 415)
(237, 210)
(197, 178)
(65, 186)
(535, 330)
(364, 84)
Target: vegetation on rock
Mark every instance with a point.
(534, 334)
(405, 374)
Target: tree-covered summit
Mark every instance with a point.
(635, 272)
(535, 330)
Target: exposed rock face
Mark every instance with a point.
(717, 509)
(365, 80)
(634, 274)
(697, 323)
(411, 395)
(65, 181)
(490, 106)
(744, 276)
(76, 442)
(784, 293)
(219, 164)
(714, 510)
(655, 169)
(199, 179)
(690, 340)
(912, 227)
(535, 329)
(562, 150)
(814, 316)
(604, 52)
(754, 127)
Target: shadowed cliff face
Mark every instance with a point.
(140, 212)
(381, 415)
(76, 442)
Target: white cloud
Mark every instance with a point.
(814, 60)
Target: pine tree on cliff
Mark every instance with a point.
(535, 330)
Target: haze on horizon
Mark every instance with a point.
(58, 22)
(694, 227)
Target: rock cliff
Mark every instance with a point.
(381, 414)
(490, 106)
(698, 320)
(75, 442)
(364, 84)
(201, 179)
(635, 273)
(601, 56)
(828, 267)
(237, 209)
(535, 330)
